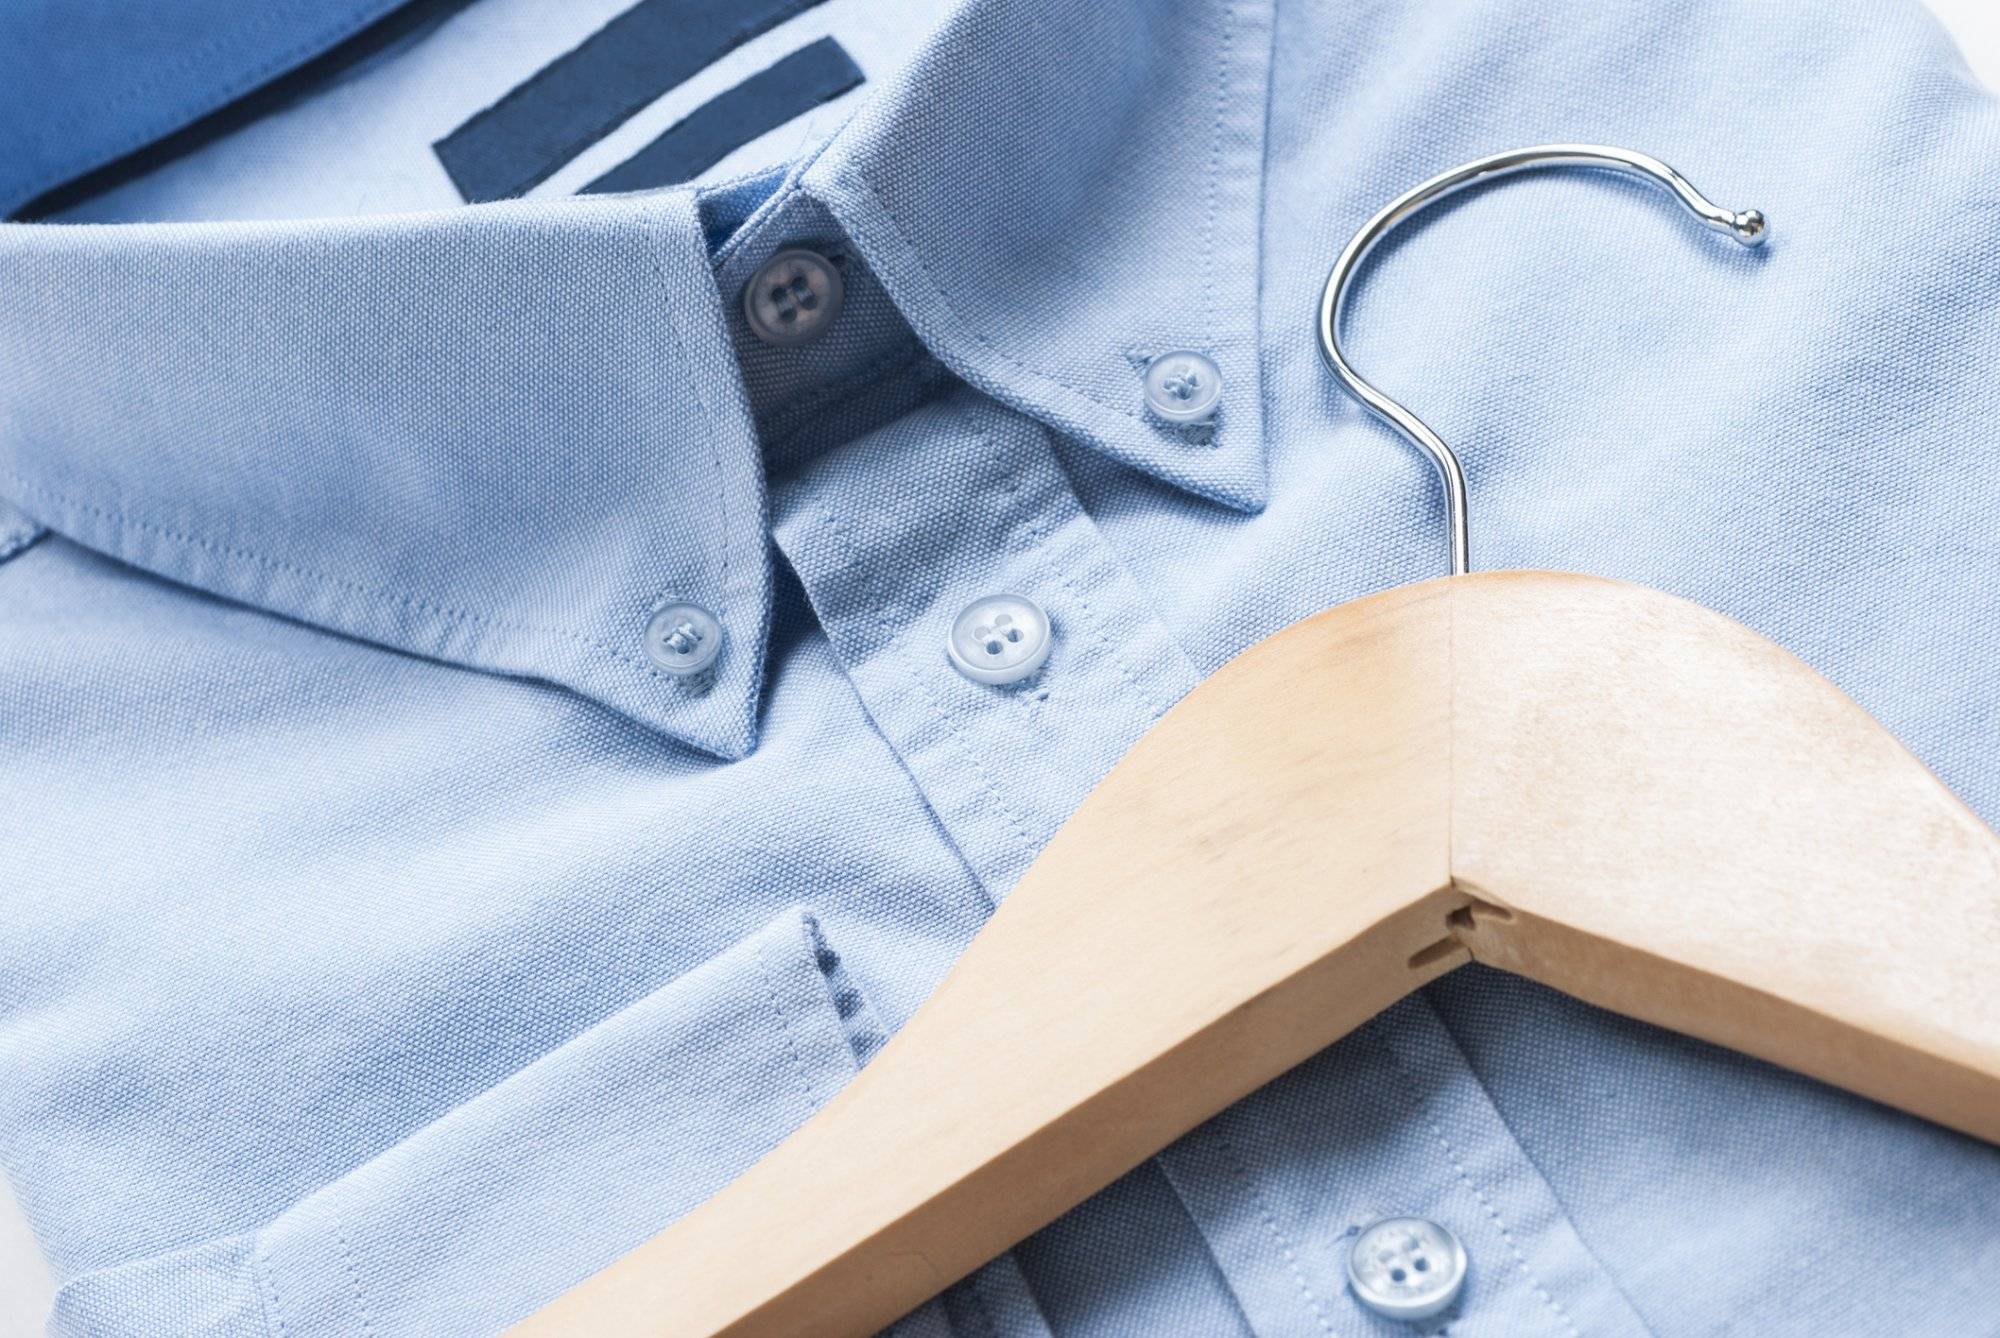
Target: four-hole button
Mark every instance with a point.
(1000, 639)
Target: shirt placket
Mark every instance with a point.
(1389, 1123)
(895, 532)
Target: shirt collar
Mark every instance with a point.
(503, 436)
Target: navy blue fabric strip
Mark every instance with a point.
(816, 73)
(576, 99)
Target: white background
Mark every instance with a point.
(25, 1288)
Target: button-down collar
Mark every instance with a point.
(507, 435)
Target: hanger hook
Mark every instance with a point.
(1748, 227)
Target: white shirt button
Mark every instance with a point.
(1000, 639)
(1406, 1268)
(683, 639)
(793, 297)
(1183, 388)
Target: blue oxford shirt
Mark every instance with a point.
(387, 941)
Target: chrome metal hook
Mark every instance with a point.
(1748, 227)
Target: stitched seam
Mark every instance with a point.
(1067, 582)
(1561, 1207)
(764, 215)
(180, 115)
(1039, 532)
(1215, 164)
(785, 1025)
(762, 219)
(336, 582)
(1242, 1169)
(722, 490)
(966, 327)
(1264, 79)
(270, 1290)
(1156, 706)
(353, 1273)
(133, 92)
(1423, 1104)
(880, 609)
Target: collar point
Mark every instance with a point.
(717, 717)
(1227, 468)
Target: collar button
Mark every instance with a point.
(683, 639)
(793, 297)
(1183, 388)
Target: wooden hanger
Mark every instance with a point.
(1597, 786)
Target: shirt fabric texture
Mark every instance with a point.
(386, 944)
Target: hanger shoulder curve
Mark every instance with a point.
(1591, 784)
(1696, 829)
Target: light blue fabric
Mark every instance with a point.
(385, 948)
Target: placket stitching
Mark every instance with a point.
(1422, 1106)
(1554, 1198)
(879, 607)
(1039, 533)
(1270, 1220)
